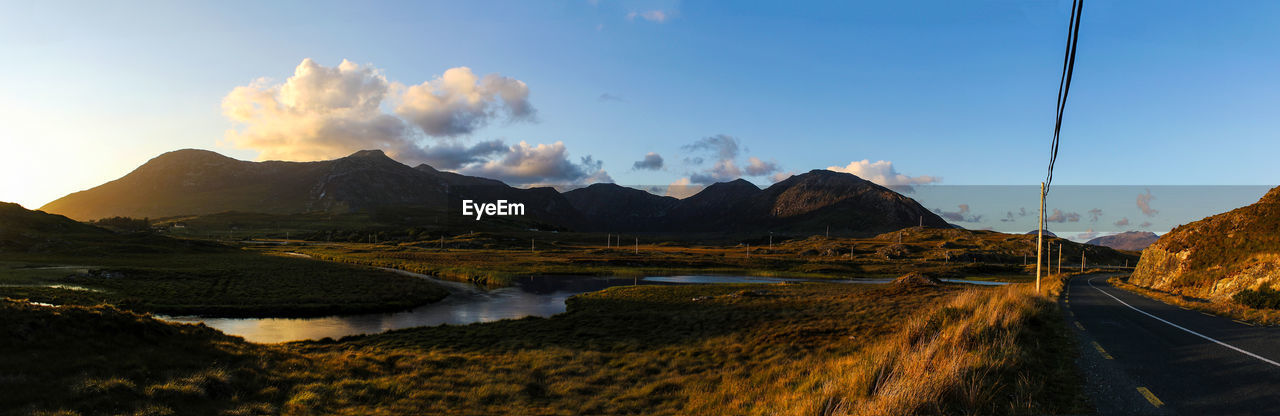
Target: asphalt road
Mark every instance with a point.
(1149, 357)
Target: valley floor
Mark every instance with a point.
(812, 348)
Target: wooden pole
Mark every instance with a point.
(1040, 239)
(637, 245)
(1059, 258)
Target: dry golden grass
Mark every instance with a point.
(1228, 309)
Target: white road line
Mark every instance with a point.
(1184, 329)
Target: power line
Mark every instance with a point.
(1064, 84)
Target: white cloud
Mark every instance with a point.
(459, 102)
(1144, 204)
(328, 112)
(318, 113)
(882, 172)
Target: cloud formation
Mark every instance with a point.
(1145, 224)
(459, 102)
(682, 188)
(606, 97)
(1060, 217)
(724, 150)
(961, 215)
(883, 173)
(318, 113)
(454, 155)
(1144, 204)
(328, 112)
(757, 167)
(525, 164)
(651, 161)
(1123, 222)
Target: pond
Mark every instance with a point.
(535, 296)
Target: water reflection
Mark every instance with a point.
(536, 296)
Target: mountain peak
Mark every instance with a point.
(374, 153)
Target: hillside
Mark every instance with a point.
(1217, 256)
(807, 203)
(195, 182)
(1128, 240)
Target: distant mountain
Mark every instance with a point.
(200, 182)
(1047, 233)
(606, 206)
(194, 182)
(1217, 256)
(1128, 240)
(809, 202)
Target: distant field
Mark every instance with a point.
(494, 260)
(699, 349)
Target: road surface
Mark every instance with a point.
(1142, 356)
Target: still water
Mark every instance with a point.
(537, 296)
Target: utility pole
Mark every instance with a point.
(442, 242)
(771, 240)
(608, 242)
(531, 246)
(748, 250)
(1040, 239)
(1059, 258)
(828, 231)
(637, 245)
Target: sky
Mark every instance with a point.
(914, 93)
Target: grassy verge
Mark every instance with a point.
(219, 283)
(1231, 310)
(690, 349)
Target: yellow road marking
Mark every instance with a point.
(1242, 322)
(1151, 397)
(1079, 326)
(1205, 314)
(1102, 351)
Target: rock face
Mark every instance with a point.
(1217, 256)
(1128, 240)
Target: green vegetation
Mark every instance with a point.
(1264, 298)
(689, 349)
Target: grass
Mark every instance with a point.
(814, 348)
(1233, 310)
(495, 260)
(219, 283)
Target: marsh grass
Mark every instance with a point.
(813, 348)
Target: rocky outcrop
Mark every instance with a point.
(1217, 256)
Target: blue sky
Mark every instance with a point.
(1165, 93)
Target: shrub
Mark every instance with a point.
(1265, 297)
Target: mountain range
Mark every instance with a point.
(198, 182)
